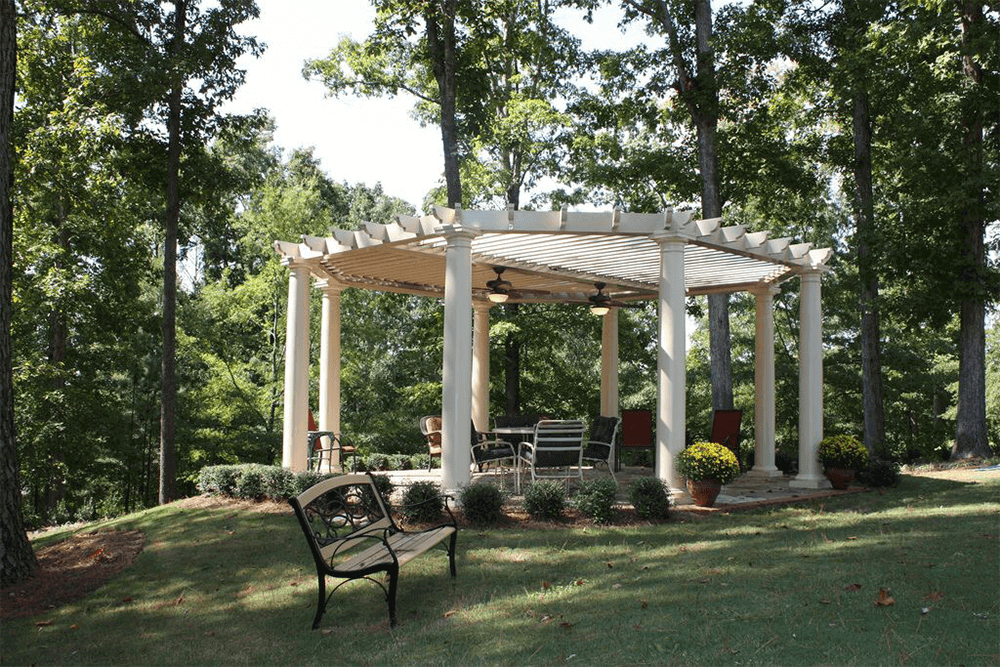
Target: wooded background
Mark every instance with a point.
(869, 127)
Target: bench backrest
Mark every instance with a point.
(338, 513)
(558, 443)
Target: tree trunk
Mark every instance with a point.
(864, 211)
(168, 394)
(440, 21)
(17, 560)
(704, 105)
(512, 367)
(970, 426)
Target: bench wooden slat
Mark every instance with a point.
(407, 546)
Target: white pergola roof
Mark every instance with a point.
(559, 252)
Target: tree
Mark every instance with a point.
(977, 38)
(167, 48)
(17, 560)
(691, 55)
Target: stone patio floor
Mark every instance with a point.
(744, 493)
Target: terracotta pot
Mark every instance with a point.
(840, 478)
(704, 491)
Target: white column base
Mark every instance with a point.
(763, 473)
(810, 482)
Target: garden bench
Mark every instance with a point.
(352, 535)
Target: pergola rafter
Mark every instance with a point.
(556, 257)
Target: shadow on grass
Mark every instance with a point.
(789, 585)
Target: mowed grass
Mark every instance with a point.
(787, 586)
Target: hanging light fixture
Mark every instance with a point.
(498, 296)
(599, 310)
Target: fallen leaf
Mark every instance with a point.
(852, 587)
(545, 620)
(210, 633)
(546, 585)
(450, 613)
(579, 582)
(294, 583)
(42, 624)
(610, 565)
(884, 599)
(127, 599)
(852, 537)
(328, 631)
(565, 625)
(179, 600)
(644, 604)
(616, 586)
(825, 601)
(74, 627)
(934, 597)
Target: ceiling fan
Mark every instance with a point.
(499, 289)
(601, 303)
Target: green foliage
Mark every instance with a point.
(596, 498)
(650, 498)
(250, 483)
(879, 472)
(482, 503)
(219, 480)
(384, 487)
(422, 502)
(545, 500)
(708, 461)
(843, 451)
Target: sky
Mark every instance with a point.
(356, 140)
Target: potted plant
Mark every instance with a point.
(842, 456)
(707, 466)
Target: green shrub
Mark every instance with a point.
(279, 483)
(482, 503)
(422, 502)
(305, 480)
(422, 461)
(376, 461)
(596, 498)
(218, 480)
(545, 500)
(650, 498)
(250, 482)
(385, 487)
(879, 472)
(399, 461)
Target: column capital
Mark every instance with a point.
(812, 275)
(296, 263)
(765, 289)
(456, 233)
(669, 240)
(482, 305)
(329, 285)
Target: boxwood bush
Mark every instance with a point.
(422, 502)
(650, 498)
(545, 500)
(596, 498)
(482, 503)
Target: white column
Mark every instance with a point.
(481, 366)
(810, 384)
(456, 401)
(294, 435)
(671, 386)
(329, 362)
(609, 364)
(764, 386)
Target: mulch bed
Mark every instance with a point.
(70, 570)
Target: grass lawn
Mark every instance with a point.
(787, 586)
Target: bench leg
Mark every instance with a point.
(393, 574)
(451, 553)
(321, 605)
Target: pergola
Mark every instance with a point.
(559, 256)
